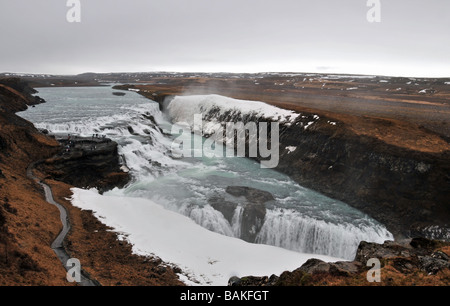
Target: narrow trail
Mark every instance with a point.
(58, 243)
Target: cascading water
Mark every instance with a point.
(298, 219)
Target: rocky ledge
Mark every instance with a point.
(419, 261)
(91, 162)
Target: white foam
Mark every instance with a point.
(291, 230)
(183, 108)
(291, 149)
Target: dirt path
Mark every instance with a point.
(58, 243)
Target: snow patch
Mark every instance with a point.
(308, 125)
(291, 149)
(205, 257)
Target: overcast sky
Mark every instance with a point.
(412, 39)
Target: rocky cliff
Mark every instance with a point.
(86, 163)
(405, 189)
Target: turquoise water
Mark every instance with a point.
(299, 219)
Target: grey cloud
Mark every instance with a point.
(209, 35)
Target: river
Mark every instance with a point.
(298, 219)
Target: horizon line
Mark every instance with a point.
(224, 72)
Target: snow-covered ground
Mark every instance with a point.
(206, 258)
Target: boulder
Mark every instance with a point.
(433, 264)
(253, 281)
(389, 249)
(346, 268)
(341, 268)
(314, 266)
(225, 207)
(251, 194)
(234, 281)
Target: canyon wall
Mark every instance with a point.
(407, 190)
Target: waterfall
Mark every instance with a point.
(290, 230)
(236, 222)
(298, 220)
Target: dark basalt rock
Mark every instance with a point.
(251, 194)
(433, 265)
(388, 249)
(87, 163)
(396, 186)
(314, 265)
(254, 209)
(252, 220)
(419, 255)
(341, 268)
(226, 208)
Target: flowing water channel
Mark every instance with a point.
(298, 218)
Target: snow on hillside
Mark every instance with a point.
(206, 258)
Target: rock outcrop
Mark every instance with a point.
(403, 189)
(87, 163)
(253, 209)
(418, 262)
